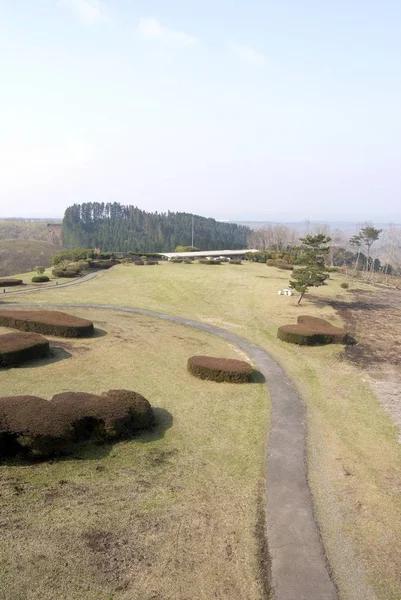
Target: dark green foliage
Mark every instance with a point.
(16, 348)
(40, 279)
(139, 263)
(186, 249)
(312, 331)
(9, 282)
(33, 427)
(49, 322)
(235, 262)
(151, 262)
(176, 260)
(115, 227)
(220, 369)
(344, 285)
(311, 255)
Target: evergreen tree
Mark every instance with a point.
(311, 256)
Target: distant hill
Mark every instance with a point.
(116, 227)
(19, 255)
(31, 229)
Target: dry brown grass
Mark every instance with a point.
(169, 515)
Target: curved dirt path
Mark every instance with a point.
(296, 564)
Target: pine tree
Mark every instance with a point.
(311, 256)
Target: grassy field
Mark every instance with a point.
(172, 514)
(18, 255)
(354, 458)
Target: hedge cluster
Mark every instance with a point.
(279, 264)
(220, 369)
(312, 331)
(10, 282)
(49, 322)
(34, 427)
(40, 279)
(18, 347)
(204, 261)
(235, 262)
(65, 272)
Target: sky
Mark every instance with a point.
(238, 110)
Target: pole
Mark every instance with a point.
(192, 244)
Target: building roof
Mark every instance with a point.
(207, 253)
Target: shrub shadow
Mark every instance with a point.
(56, 354)
(258, 377)
(99, 332)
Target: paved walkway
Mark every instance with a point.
(40, 288)
(296, 563)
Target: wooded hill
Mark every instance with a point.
(114, 227)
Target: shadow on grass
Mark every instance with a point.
(56, 354)
(258, 377)
(99, 333)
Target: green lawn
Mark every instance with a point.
(354, 458)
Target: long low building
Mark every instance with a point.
(207, 253)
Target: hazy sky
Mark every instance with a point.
(247, 109)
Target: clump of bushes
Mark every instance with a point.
(220, 369)
(40, 279)
(49, 322)
(16, 348)
(312, 331)
(235, 262)
(9, 282)
(151, 262)
(204, 261)
(33, 427)
(139, 263)
(279, 264)
(64, 272)
(344, 285)
(176, 260)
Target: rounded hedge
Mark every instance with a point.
(139, 263)
(19, 347)
(31, 426)
(220, 369)
(40, 279)
(312, 331)
(49, 322)
(235, 262)
(9, 282)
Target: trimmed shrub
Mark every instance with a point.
(34, 427)
(220, 369)
(49, 322)
(28, 426)
(9, 282)
(312, 331)
(317, 322)
(65, 273)
(279, 264)
(151, 262)
(235, 262)
(344, 285)
(176, 260)
(40, 279)
(139, 263)
(16, 348)
(204, 261)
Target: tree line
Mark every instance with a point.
(124, 228)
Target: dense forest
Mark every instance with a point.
(114, 227)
